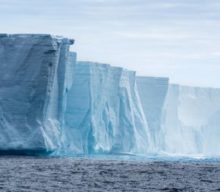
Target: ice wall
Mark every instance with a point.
(191, 123)
(152, 91)
(49, 103)
(104, 113)
(33, 80)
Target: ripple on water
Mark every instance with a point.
(81, 174)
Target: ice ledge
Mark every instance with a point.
(194, 87)
(33, 37)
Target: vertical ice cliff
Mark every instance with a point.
(191, 123)
(33, 80)
(48, 102)
(152, 91)
(104, 113)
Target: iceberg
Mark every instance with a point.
(51, 103)
(33, 83)
(182, 120)
(153, 91)
(104, 113)
(191, 123)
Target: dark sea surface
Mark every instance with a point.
(99, 174)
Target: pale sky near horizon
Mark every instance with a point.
(175, 38)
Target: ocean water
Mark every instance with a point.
(29, 174)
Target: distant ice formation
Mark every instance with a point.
(51, 103)
(191, 121)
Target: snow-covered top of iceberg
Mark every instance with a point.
(153, 79)
(182, 86)
(30, 38)
(103, 66)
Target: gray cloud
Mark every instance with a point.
(155, 37)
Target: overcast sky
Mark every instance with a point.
(175, 38)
